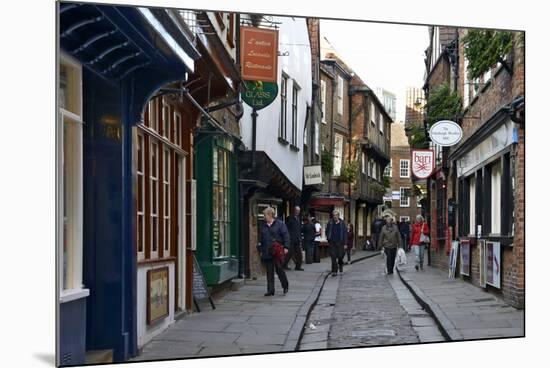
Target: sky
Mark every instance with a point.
(390, 56)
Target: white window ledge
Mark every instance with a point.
(73, 294)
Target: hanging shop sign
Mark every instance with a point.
(259, 57)
(465, 257)
(445, 133)
(423, 163)
(312, 175)
(258, 94)
(493, 263)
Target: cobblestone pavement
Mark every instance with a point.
(367, 311)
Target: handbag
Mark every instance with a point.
(278, 253)
(423, 237)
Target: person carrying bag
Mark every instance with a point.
(419, 240)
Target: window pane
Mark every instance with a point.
(496, 176)
(140, 233)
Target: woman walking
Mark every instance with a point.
(349, 244)
(419, 238)
(273, 237)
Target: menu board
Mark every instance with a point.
(465, 257)
(200, 290)
(493, 263)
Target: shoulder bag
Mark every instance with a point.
(423, 237)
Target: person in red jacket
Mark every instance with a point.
(418, 228)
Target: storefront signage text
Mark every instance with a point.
(259, 49)
(423, 163)
(259, 94)
(312, 175)
(446, 133)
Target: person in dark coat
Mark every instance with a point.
(273, 230)
(308, 229)
(317, 241)
(349, 241)
(404, 229)
(294, 225)
(336, 236)
(390, 240)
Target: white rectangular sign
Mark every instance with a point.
(494, 266)
(313, 175)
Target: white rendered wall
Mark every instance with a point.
(293, 37)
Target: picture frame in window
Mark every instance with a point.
(158, 294)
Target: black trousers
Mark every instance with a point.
(348, 253)
(336, 251)
(390, 258)
(316, 252)
(294, 252)
(271, 268)
(308, 247)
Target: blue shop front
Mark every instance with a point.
(111, 61)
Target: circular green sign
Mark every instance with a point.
(258, 94)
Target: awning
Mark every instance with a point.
(115, 41)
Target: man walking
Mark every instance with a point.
(317, 241)
(404, 229)
(273, 231)
(390, 240)
(294, 225)
(336, 236)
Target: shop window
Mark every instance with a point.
(221, 194)
(404, 168)
(405, 200)
(441, 209)
(166, 201)
(496, 177)
(472, 204)
(152, 114)
(154, 187)
(140, 206)
(70, 184)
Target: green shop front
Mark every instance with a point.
(217, 208)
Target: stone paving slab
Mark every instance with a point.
(244, 321)
(462, 309)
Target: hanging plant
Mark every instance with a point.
(443, 104)
(349, 173)
(484, 48)
(417, 137)
(386, 182)
(327, 161)
(377, 188)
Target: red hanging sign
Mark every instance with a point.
(259, 48)
(422, 162)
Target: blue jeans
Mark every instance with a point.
(419, 252)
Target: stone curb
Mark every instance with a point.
(444, 324)
(294, 337)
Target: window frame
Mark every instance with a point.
(294, 116)
(154, 191)
(372, 113)
(401, 196)
(283, 119)
(338, 158)
(381, 122)
(70, 188)
(408, 168)
(323, 101)
(340, 95)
